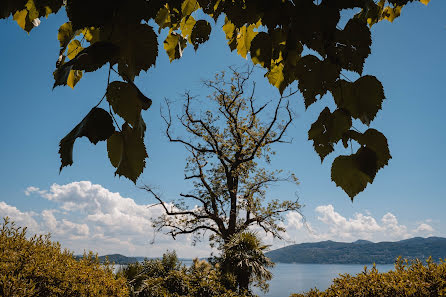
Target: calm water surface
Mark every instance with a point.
(299, 278)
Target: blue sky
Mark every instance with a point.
(407, 198)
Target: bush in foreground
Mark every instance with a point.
(410, 278)
(36, 266)
(168, 277)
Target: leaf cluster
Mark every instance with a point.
(409, 278)
(293, 40)
(244, 258)
(36, 266)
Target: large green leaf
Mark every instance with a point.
(346, 173)
(200, 33)
(244, 37)
(188, 7)
(127, 101)
(261, 49)
(376, 141)
(316, 77)
(74, 48)
(65, 34)
(351, 46)
(138, 49)
(96, 126)
(174, 44)
(352, 173)
(127, 152)
(363, 98)
(328, 130)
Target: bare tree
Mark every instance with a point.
(225, 144)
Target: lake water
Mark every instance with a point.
(299, 278)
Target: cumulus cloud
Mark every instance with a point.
(335, 226)
(424, 228)
(22, 219)
(361, 225)
(89, 216)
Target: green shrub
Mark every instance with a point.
(167, 277)
(36, 266)
(410, 278)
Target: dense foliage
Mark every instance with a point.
(409, 279)
(168, 277)
(360, 252)
(36, 266)
(243, 258)
(293, 40)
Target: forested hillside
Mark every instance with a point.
(361, 251)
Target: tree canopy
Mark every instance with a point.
(293, 40)
(227, 143)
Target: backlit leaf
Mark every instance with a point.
(346, 173)
(174, 45)
(231, 34)
(28, 16)
(352, 46)
(74, 77)
(189, 6)
(186, 26)
(138, 49)
(115, 146)
(328, 130)
(261, 49)
(127, 101)
(74, 48)
(94, 57)
(316, 77)
(127, 152)
(200, 33)
(376, 141)
(363, 98)
(244, 37)
(65, 34)
(96, 126)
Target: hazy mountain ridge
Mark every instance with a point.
(360, 251)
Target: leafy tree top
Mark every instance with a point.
(293, 40)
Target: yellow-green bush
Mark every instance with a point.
(36, 266)
(167, 277)
(409, 279)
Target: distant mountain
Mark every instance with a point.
(120, 259)
(117, 259)
(360, 251)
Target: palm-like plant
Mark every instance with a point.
(243, 256)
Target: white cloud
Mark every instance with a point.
(331, 225)
(91, 216)
(22, 219)
(360, 225)
(424, 228)
(393, 228)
